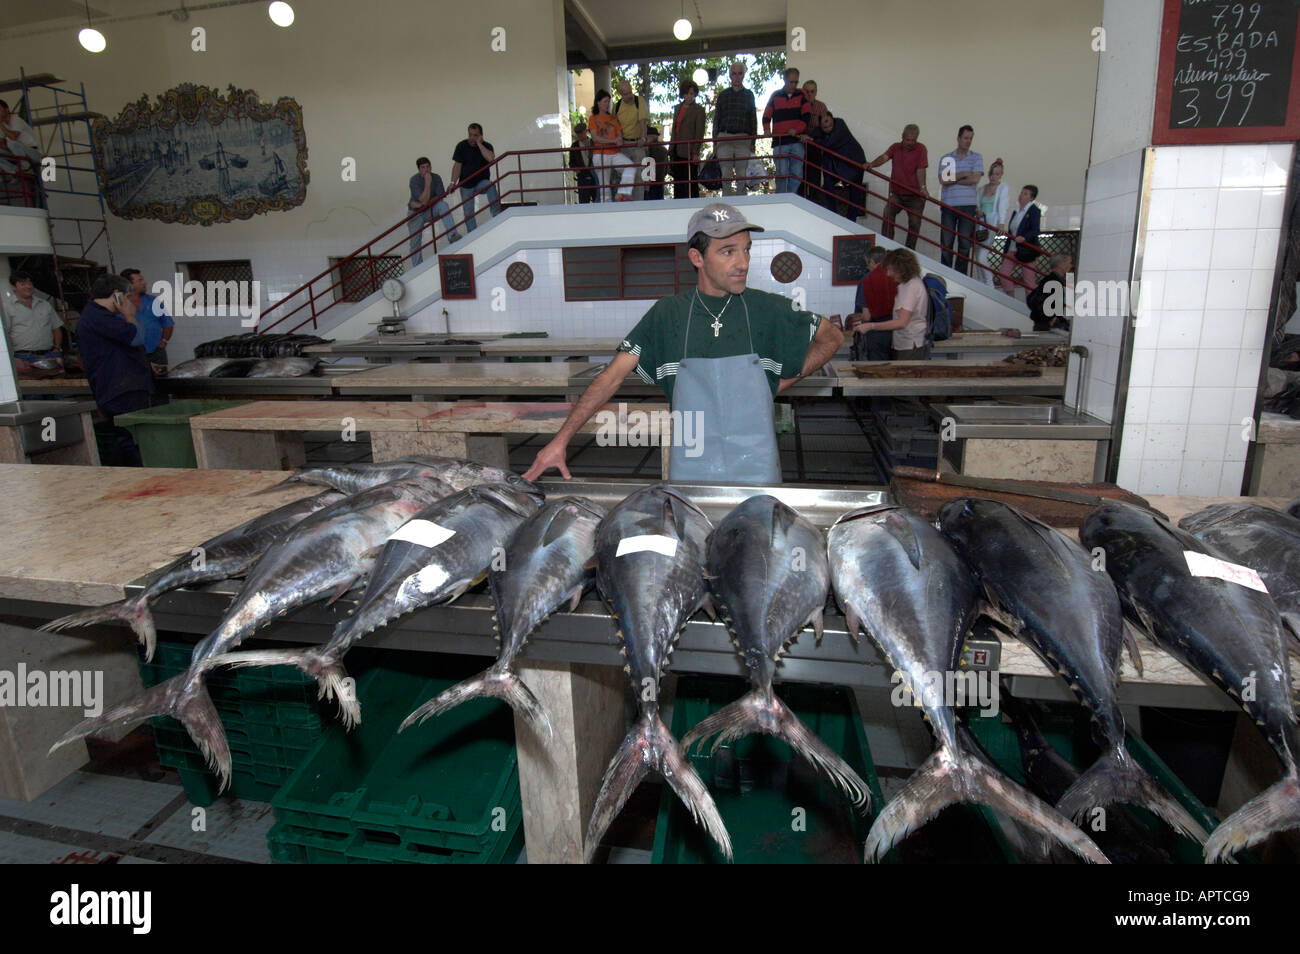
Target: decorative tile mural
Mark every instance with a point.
(197, 157)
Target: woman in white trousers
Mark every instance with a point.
(995, 211)
(607, 135)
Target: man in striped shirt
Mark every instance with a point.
(785, 119)
(960, 172)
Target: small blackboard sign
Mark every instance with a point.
(1228, 72)
(457, 273)
(849, 258)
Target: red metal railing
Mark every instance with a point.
(21, 187)
(306, 304)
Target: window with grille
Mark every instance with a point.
(617, 272)
(359, 279)
(230, 270)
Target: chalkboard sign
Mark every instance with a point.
(1228, 72)
(457, 273)
(849, 254)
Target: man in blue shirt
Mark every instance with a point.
(155, 324)
(960, 172)
(117, 366)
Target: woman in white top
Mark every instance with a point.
(911, 307)
(995, 209)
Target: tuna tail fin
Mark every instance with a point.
(762, 711)
(182, 697)
(1277, 808)
(133, 612)
(332, 680)
(951, 776)
(1115, 777)
(651, 746)
(499, 683)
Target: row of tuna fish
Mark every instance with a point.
(422, 531)
(288, 367)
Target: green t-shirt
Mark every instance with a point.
(781, 331)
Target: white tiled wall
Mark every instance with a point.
(1210, 249)
(542, 307)
(1105, 255)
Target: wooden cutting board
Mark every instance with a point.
(927, 498)
(938, 369)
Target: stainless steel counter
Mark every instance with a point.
(1019, 422)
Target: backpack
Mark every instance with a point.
(939, 325)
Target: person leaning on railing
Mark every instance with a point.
(911, 307)
(735, 122)
(1022, 235)
(784, 119)
(907, 190)
(842, 162)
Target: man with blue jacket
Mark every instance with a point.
(117, 366)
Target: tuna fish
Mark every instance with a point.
(1213, 619)
(897, 577)
(1293, 508)
(769, 578)
(443, 551)
(196, 367)
(350, 478)
(1263, 539)
(1043, 588)
(284, 367)
(223, 557)
(650, 569)
(322, 556)
(550, 561)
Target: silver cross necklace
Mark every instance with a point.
(717, 319)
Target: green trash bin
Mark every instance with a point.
(163, 432)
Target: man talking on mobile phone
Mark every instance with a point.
(111, 344)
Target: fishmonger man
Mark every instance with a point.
(722, 350)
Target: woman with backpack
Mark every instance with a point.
(911, 308)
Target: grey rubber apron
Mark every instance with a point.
(730, 406)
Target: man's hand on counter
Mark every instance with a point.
(552, 455)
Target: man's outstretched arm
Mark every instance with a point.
(593, 399)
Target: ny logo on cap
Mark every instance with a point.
(720, 215)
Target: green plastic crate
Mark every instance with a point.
(163, 433)
(757, 783)
(1068, 730)
(271, 716)
(443, 792)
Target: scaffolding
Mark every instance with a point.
(76, 213)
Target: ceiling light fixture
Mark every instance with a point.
(682, 28)
(701, 76)
(91, 39)
(281, 13)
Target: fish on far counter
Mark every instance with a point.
(769, 577)
(284, 368)
(900, 579)
(1217, 619)
(196, 368)
(650, 570)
